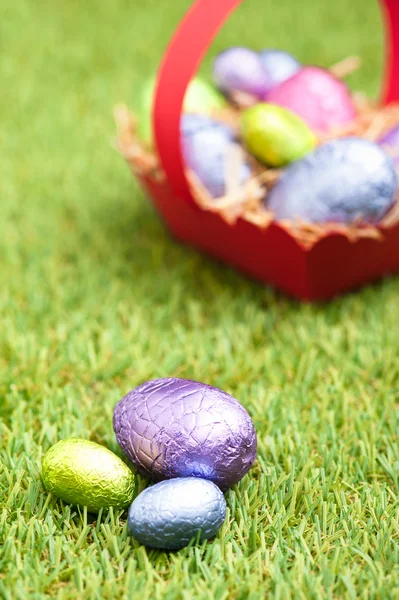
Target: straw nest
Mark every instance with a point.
(246, 201)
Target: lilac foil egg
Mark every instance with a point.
(390, 143)
(205, 144)
(315, 95)
(180, 428)
(279, 66)
(343, 181)
(240, 69)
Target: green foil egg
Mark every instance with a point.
(200, 98)
(275, 135)
(85, 473)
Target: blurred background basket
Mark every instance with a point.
(330, 260)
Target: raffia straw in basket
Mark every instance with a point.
(246, 201)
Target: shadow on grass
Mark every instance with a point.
(139, 248)
(139, 242)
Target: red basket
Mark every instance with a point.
(336, 262)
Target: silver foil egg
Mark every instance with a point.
(180, 428)
(170, 514)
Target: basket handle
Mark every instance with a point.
(390, 89)
(181, 62)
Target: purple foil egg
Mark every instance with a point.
(279, 66)
(205, 144)
(180, 428)
(343, 181)
(315, 95)
(390, 142)
(241, 69)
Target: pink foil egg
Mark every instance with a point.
(322, 100)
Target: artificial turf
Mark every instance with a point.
(95, 298)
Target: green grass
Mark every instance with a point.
(96, 298)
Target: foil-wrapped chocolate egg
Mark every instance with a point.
(342, 181)
(279, 66)
(390, 143)
(180, 428)
(319, 98)
(85, 473)
(274, 135)
(170, 514)
(191, 124)
(240, 69)
(200, 97)
(205, 152)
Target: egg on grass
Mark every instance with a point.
(170, 514)
(181, 428)
(84, 473)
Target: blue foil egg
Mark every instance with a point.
(279, 66)
(205, 145)
(170, 514)
(342, 181)
(192, 123)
